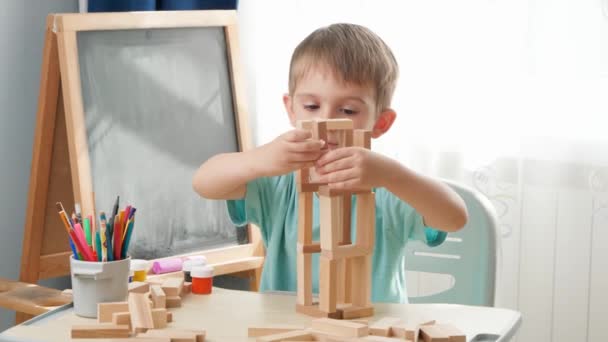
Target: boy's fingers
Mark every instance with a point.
(337, 177)
(308, 146)
(299, 157)
(337, 165)
(334, 155)
(298, 135)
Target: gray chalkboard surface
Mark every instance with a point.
(157, 103)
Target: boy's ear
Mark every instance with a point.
(383, 123)
(289, 108)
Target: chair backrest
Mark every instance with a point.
(470, 255)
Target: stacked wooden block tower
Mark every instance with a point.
(344, 266)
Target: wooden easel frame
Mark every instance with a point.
(60, 123)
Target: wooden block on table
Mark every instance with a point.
(139, 287)
(327, 278)
(265, 330)
(454, 333)
(155, 281)
(314, 311)
(366, 220)
(122, 318)
(382, 327)
(177, 335)
(408, 331)
(340, 328)
(173, 286)
(159, 316)
(169, 316)
(105, 310)
(141, 313)
(298, 335)
(174, 301)
(158, 296)
(105, 330)
(352, 311)
(304, 279)
(433, 333)
(187, 288)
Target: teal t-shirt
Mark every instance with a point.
(271, 203)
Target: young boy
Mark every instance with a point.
(339, 71)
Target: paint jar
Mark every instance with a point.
(202, 279)
(140, 269)
(98, 282)
(187, 267)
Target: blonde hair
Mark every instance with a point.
(354, 54)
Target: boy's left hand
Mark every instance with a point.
(351, 168)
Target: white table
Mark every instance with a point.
(226, 315)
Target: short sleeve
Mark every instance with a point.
(405, 222)
(263, 202)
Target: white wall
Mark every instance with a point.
(21, 38)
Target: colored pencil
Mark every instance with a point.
(87, 231)
(125, 246)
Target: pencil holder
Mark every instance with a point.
(98, 282)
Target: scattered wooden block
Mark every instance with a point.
(141, 313)
(314, 311)
(408, 331)
(105, 310)
(340, 328)
(174, 301)
(350, 312)
(169, 316)
(455, 334)
(122, 318)
(139, 287)
(159, 316)
(173, 286)
(177, 335)
(187, 288)
(155, 281)
(382, 327)
(106, 330)
(298, 335)
(432, 333)
(158, 297)
(271, 330)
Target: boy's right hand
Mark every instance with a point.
(289, 152)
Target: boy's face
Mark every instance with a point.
(320, 95)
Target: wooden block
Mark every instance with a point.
(327, 284)
(346, 138)
(361, 281)
(305, 218)
(309, 249)
(319, 130)
(382, 327)
(122, 318)
(105, 330)
(339, 328)
(304, 279)
(339, 124)
(298, 335)
(454, 333)
(139, 287)
(178, 335)
(341, 281)
(314, 311)
(150, 339)
(159, 316)
(141, 313)
(173, 286)
(187, 288)
(174, 301)
(304, 124)
(169, 316)
(432, 333)
(155, 280)
(405, 330)
(356, 312)
(330, 222)
(366, 220)
(347, 251)
(346, 219)
(105, 310)
(158, 297)
(362, 138)
(271, 330)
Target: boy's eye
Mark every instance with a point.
(311, 107)
(348, 111)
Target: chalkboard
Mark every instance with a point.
(157, 103)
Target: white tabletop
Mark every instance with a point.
(226, 315)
